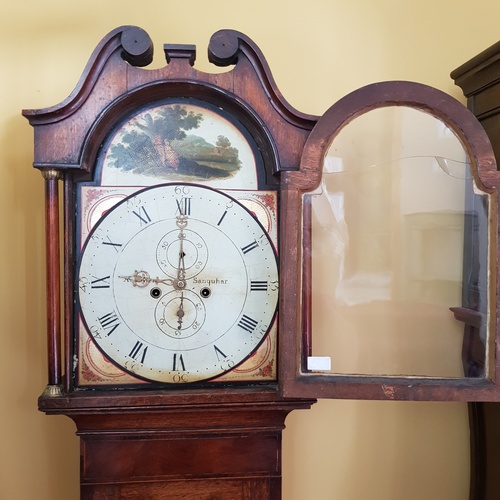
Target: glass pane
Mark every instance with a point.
(399, 236)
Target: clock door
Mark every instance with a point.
(398, 251)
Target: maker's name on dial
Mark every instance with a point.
(209, 281)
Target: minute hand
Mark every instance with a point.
(181, 268)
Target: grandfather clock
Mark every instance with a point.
(228, 259)
(171, 268)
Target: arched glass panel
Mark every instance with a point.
(399, 253)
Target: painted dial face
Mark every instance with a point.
(178, 283)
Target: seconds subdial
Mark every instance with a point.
(180, 315)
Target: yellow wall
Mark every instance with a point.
(319, 50)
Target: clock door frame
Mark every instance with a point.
(297, 334)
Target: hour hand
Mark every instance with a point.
(142, 279)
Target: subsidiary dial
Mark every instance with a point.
(184, 250)
(180, 315)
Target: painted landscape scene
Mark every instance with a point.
(176, 142)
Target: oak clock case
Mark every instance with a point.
(162, 329)
(177, 282)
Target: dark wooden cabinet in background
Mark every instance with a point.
(479, 79)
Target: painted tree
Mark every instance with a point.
(150, 147)
(222, 143)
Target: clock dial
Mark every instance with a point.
(178, 283)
